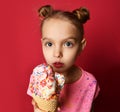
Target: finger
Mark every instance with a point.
(34, 104)
(37, 110)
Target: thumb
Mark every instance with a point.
(34, 104)
(37, 110)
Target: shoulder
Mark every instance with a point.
(88, 76)
(90, 82)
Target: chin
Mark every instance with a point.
(59, 70)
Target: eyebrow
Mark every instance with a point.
(47, 38)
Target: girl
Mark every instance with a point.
(62, 41)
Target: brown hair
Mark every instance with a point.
(77, 17)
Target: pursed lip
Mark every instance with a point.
(58, 64)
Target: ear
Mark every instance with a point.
(83, 44)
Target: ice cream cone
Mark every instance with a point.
(45, 87)
(46, 105)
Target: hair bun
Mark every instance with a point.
(82, 14)
(45, 11)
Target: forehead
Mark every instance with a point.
(58, 28)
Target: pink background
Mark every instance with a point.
(20, 50)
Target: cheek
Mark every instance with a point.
(47, 54)
(71, 55)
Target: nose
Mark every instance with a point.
(58, 52)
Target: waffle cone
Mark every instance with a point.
(46, 105)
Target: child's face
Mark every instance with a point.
(60, 44)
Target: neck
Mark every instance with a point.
(72, 75)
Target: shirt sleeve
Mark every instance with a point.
(97, 91)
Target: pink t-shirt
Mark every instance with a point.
(78, 96)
